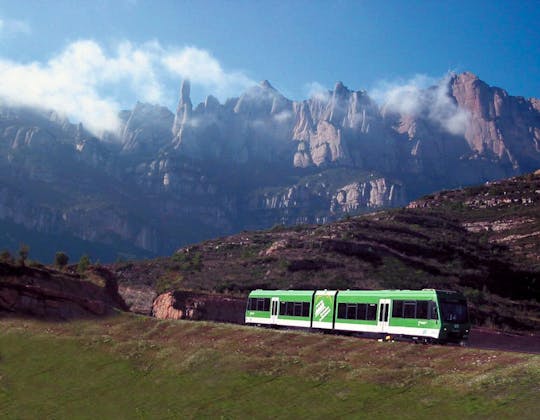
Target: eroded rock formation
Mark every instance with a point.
(199, 306)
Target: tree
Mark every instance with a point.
(84, 263)
(24, 250)
(5, 256)
(61, 259)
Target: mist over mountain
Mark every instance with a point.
(165, 179)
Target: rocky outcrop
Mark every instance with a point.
(46, 293)
(147, 128)
(199, 306)
(374, 194)
(503, 126)
(139, 299)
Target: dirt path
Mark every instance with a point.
(484, 338)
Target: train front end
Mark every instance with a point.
(454, 316)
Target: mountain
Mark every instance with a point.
(482, 241)
(167, 179)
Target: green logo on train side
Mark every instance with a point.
(324, 308)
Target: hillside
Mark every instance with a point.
(480, 240)
(131, 366)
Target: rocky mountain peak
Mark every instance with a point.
(211, 102)
(185, 107)
(185, 92)
(340, 89)
(265, 84)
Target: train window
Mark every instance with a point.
(282, 308)
(351, 311)
(266, 305)
(298, 309)
(433, 310)
(361, 312)
(422, 309)
(305, 309)
(409, 309)
(371, 312)
(290, 309)
(397, 309)
(454, 311)
(342, 311)
(260, 304)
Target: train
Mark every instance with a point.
(427, 315)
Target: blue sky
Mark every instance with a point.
(226, 45)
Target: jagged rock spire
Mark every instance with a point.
(185, 107)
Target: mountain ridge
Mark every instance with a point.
(167, 179)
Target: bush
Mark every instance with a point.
(168, 282)
(61, 259)
(187, 261)
(5, 256)
(24, 251)
(83, 264)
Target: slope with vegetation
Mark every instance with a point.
(130, 366)
(482, 241)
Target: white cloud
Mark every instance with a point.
(317, 91)
(80, 80)
(201, 68)
(10, 27)
(283, 116)
(423, 95)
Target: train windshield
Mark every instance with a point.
(455, 311)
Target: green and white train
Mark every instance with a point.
(422, 315)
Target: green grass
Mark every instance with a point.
(136, 367)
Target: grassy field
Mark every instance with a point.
(136, 367)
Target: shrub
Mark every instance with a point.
(168, 282)
(24, 251)
(187, 261)
(5, 256)
(61, 259)
(84, 263)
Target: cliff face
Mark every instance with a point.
(254, 161)
(504, 127)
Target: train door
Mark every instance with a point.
(274, 308)
(384, 309)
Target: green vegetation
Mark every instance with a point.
(61, 259)
(138, 367)
(24, 251)
(5, 256)
(84, 263)
(169, 281)
(186, 261)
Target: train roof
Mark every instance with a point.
(391, 293)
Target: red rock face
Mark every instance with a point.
(199, 306)
(501, 126)
(47, 293)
